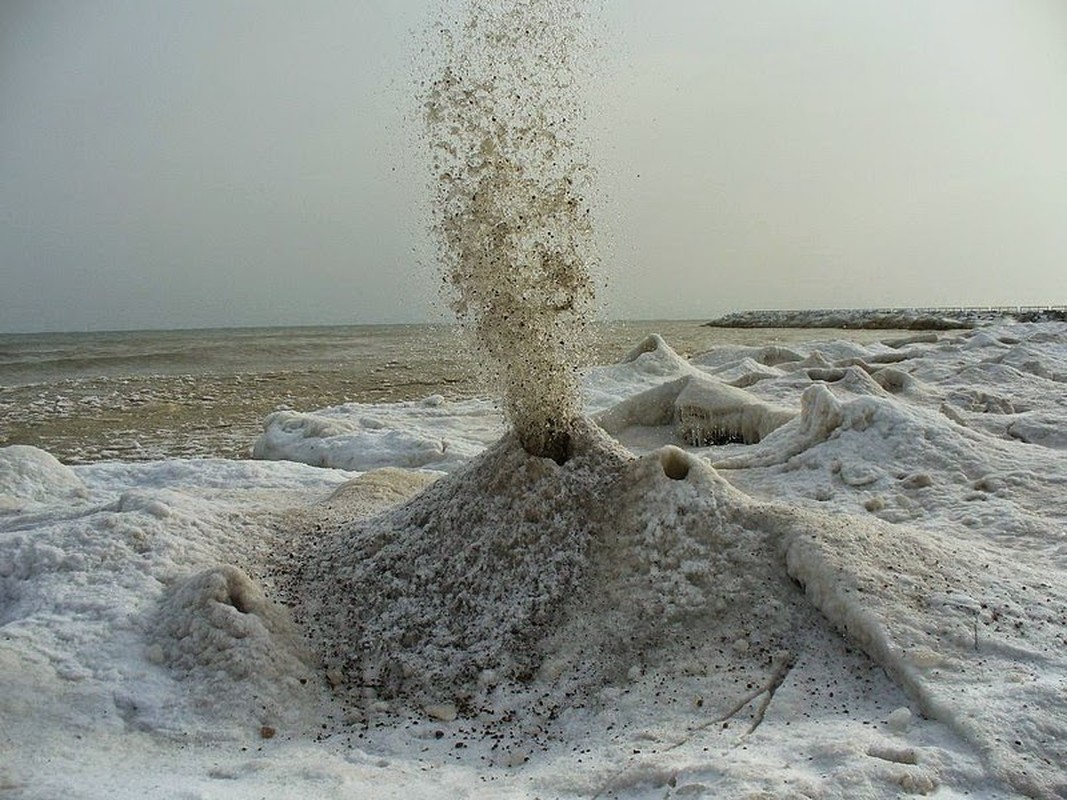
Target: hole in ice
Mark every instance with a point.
(553, 444)
(675, 463)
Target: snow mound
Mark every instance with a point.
(29, 475)
(975, 636)
(655, 356)
(218, 631)
(702, 411)
(431, 433)
(648, 365)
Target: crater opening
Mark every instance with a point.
(675, 463)
(554, 444)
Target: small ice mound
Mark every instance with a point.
(928, 337)
(815, 360)
(648, 366)
(1040, 428)
(1032, 359)
(894, 381)
(981, 339)
(430, 433)
(821, 413)
(655, 356)
(981, 402)
(854, 379)
(703, 412)
(773, 355)
(234, 647)
(744, 373)
(765, 356)
(377, 490)
(29, 475)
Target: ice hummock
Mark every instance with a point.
(432, 433)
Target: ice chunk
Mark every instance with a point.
(702, 411)
(431, 433)
(29, 475)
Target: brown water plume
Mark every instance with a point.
(511, 214)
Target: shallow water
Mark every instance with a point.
(146, 395)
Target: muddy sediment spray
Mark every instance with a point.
(511, 182)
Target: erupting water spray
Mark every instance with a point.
(511, 214)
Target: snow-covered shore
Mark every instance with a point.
(827, 570)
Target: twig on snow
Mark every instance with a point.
(783, 663)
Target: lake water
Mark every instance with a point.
(145, 395)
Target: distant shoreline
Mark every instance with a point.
(919, 319)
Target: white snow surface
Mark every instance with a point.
(828, 571)
(432, 433)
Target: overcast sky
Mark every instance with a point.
(233, 163)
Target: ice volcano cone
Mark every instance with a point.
(518, 575)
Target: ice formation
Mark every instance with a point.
(683, 641)
(432, 433)
(234, 648)
(516, 592)
(703, 412)
(902, 503)
(29, 476)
